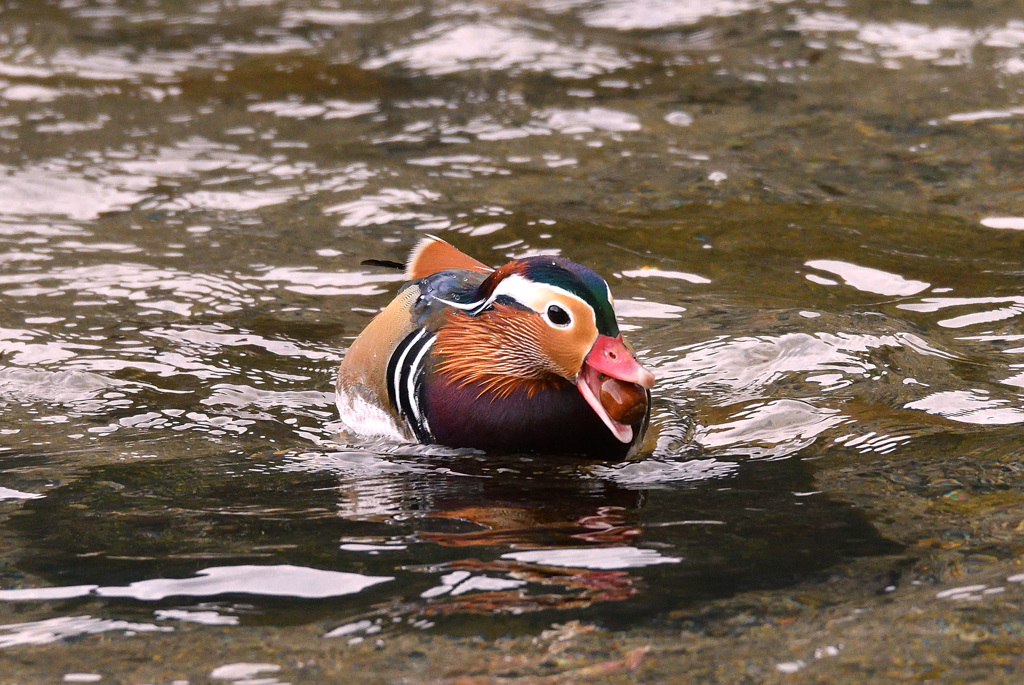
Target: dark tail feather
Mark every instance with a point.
(386, 263)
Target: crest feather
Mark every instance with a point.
(432, 254)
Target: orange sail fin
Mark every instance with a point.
(433, 254)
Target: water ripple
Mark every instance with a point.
(498, 47)
(55, 189)
(66, 627)
(770, 430)
(970, 406)
(141, 285)
(626, 15)
(888, 43)
(739, 369)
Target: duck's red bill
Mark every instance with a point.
(615, 385)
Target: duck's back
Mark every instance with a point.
(439, 273)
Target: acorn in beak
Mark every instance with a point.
(615, 385)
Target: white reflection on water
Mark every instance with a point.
(30, 231)
(206, 618)
(198, 157)
(461, 582)
(460, 166)
(309, 281)
(371, 549)
(872, 442)
(650, 473)
(679, 118)
(740, 368)
(385, 207)
(447, 160)
(891, 42)
(368, 498)
(737, 373)
(626, 15)
(488, 128)
(355, 462)
(54, 629)
(1017, 379)
(56, 189)
(79, 247)
(544, 122)
(573, 121)
(970, 406)
(139, 284)
(16, 348)
(771, 430)
(642, 309)
(329, 109)
(934, 304)
(984, 115)
(82, 384)
(282, 580)
(244, 673)
(244, 396)
(597, 558)
(1012, 66)
(1013, 223)
(8, 493)
(32, 93)
(369, 490)
(821, 22)
(192, 157)
(350, 628)
(649, 272)
(213, 337)
(497, 47)
(790, 667)
(1010, 36)
(41, 594)
(971, 593)
(374, 478)
(106, 64)
(942, 45)
(869, 280)
(327, 17)
(71, 127)
(238, 201)
(37, 385)
(276, 45)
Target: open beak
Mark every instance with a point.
(615, 385)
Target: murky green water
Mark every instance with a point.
(810, 214)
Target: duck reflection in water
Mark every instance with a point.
(546, 512)
(459, 532)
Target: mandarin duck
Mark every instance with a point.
(527, 357)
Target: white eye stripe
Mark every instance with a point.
(536, 296)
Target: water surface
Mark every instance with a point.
(810, 216)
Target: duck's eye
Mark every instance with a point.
(558, 316)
